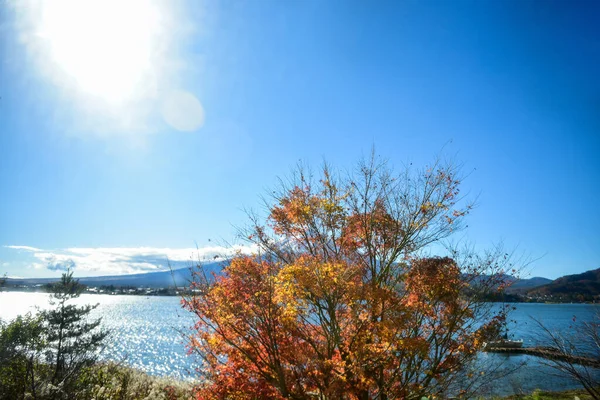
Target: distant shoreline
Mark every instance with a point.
(173, 292)
(164, 292)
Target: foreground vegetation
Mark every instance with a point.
(28, 361)
(102, 381)
(110, 381)
(543, 395)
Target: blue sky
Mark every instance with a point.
(122, 147)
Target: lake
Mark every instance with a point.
(147, 334)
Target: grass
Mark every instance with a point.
(542, 395)
(109, 381)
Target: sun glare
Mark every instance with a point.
(106, 47)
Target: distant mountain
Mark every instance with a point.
(526, 284)
(585, 286)
(515, 284)
(570, 287)
(162, 279)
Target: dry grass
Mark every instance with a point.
(542, 395)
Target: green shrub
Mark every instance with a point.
(21, 346)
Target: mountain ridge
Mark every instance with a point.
(182, 277)
(159, 279)
(575, 287)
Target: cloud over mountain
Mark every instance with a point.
(124, 260)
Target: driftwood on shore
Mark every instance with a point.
(549, 353)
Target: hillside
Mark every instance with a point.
(577, 287)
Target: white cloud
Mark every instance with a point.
(27, 248)
(126, 260)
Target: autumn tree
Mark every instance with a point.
(340, 301)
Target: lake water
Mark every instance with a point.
(147, 334)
